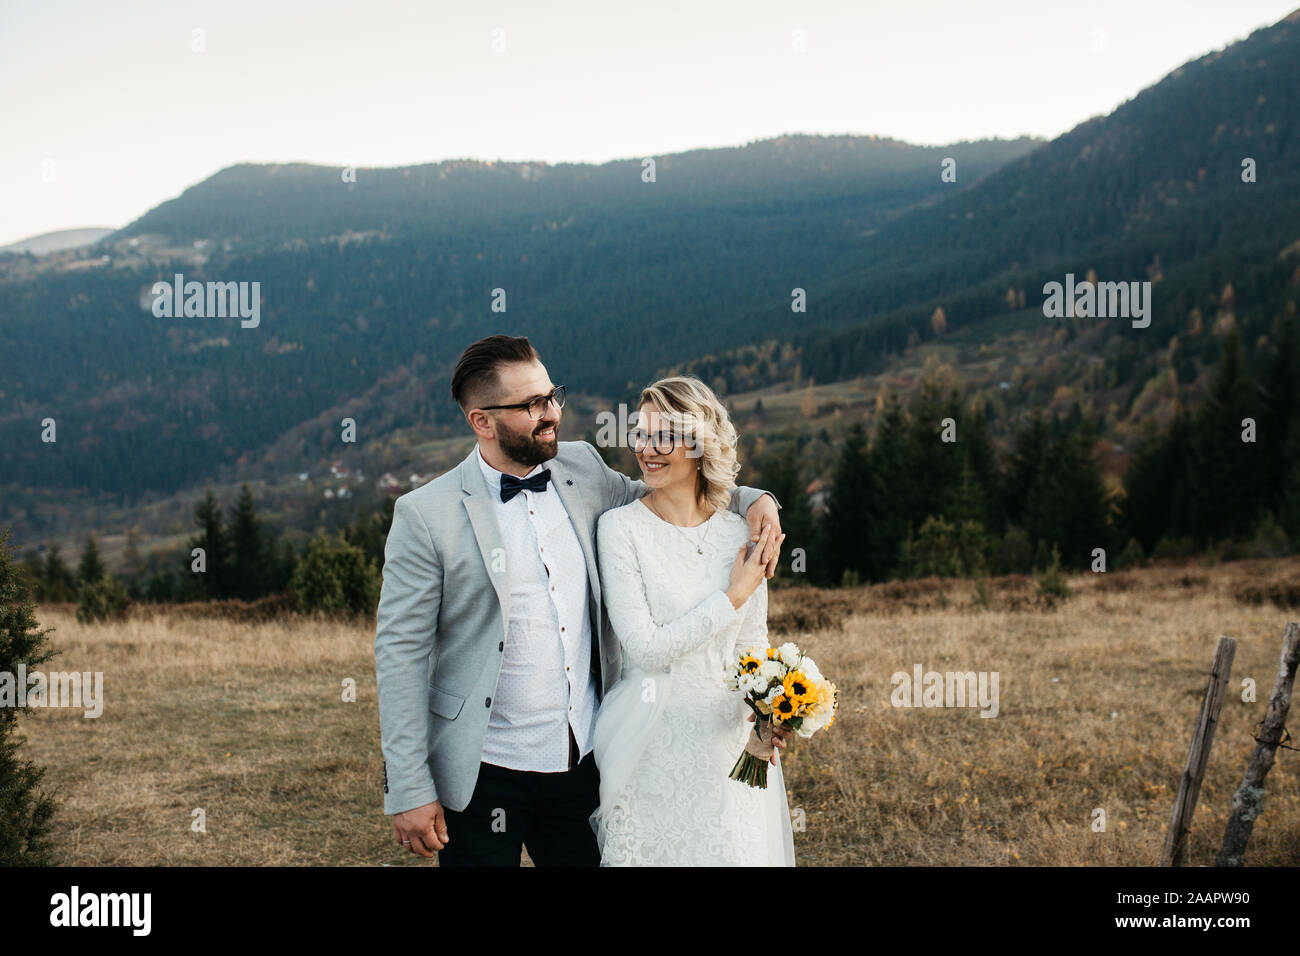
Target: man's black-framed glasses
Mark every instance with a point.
(537, 406)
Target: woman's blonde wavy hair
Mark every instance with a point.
(690, 408)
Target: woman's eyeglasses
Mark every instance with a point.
(537, 406)
(662, 442)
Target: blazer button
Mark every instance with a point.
(501, 646)
(488, 702)
(668, 669)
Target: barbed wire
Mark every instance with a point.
(1286, 735)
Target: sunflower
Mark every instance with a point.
(783, 708)
(772, 654)
(797, 687)
(748, 664)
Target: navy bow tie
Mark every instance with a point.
(511, 486)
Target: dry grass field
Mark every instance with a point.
(245, 719)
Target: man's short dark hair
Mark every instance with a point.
(477, 377)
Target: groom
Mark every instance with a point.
(492, 646)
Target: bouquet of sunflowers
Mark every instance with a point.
(781, 685)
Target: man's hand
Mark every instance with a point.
(778, 734)
(421, 830)
(762, 513)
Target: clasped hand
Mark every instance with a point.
(776, 735)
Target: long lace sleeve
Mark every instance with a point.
(753, 625)
(648, 644)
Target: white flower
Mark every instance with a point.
(771, 670)
(776, 691)
(789, 654)
(812, 722)
(809, 667)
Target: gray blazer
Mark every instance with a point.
(444, 611)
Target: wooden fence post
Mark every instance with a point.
(1198, 754)
(1248, 799)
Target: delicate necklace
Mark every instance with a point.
(699, 545)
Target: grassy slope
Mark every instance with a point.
(1098, 699)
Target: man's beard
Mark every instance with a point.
(527, 449)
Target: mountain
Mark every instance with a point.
(861, 179)
(1156, 187)
(58, 241)
(388, 278)
(370, 288)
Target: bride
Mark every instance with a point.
(684, 599)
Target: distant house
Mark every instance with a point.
(816, 493)
(329, 492)
(388, 483)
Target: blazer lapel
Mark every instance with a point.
(479, 505)
(575, 504)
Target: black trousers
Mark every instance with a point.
(511, 809)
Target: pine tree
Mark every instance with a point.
(133, 565)
(25, 811)
(782, 476)
(91, 568)
(33, 576)
(284, 559)
(847, 521)
(335, 577)
(891, 461)
(1279, 399)
(935, 468)
(249, 552)
(1024, 471)
(980, 485)
(1155, 484)
(213, 538)
(60, 583)
(1288, 507)
(1079, 502)
(1225, 471)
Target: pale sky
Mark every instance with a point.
(107, 108)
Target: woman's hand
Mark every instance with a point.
(775, 735)
(762, 513)
(748, 573)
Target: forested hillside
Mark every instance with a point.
(369, 291)
(370, 288)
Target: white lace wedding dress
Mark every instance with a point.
(669, 732)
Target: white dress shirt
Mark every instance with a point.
(546, 685)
